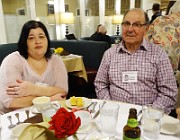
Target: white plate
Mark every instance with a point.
(55, 104)
(170, 125)
(86, 101)
(87, 129)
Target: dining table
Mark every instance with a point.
(92, 133)
(74, 64)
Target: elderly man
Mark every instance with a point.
(136, 71)
(101, 35)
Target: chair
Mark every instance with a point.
(71, 37)
(79, 87)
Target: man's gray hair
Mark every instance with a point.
(145, 14)
(102, 29)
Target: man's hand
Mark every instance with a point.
(58, 96)
(178, 112)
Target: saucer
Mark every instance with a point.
(34, 110)
(86, 130)
(169, 125)
(55, 104)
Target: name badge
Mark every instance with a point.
(129, 76)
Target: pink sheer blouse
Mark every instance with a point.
(14, 66)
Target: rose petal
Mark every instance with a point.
(64, 123)
(75, 127)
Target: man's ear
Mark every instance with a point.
(147, 27)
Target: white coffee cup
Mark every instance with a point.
(41, 103)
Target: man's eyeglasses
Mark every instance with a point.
(134, 25)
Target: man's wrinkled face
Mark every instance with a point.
(133, 27)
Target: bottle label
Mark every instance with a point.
(132, 123)
(126, 138)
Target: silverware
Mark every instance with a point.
(10, 120)
(89, 106)
(139, 121)
(97, 113)
(1, 113)
(92, 110)
(27, 113)
(140, 111)
(17, 116)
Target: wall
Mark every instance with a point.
(11, 8)
(93, 5)
(14, 31)
(41, 8)
(73, 5)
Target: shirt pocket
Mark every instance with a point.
(115, 71)
(147, 73)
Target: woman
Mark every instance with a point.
(165, 31)
(32, 70)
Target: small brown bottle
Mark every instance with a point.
(131, 130)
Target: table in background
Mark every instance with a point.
(122, 120)
(75, 64)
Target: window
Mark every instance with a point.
(87, 12)
(21, 11)
(77, 12)
(66, 8)
(50, 9)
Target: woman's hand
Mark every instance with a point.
(178, 112)
(24, 88)
(20, 89)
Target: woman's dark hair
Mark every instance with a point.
(170, 4)
(22, 43)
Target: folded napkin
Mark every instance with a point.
(35, 119)
(38, 131)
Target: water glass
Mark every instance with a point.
(108, 118)
(151, 122)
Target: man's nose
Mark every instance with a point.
(130, 27)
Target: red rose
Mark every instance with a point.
(64, 123)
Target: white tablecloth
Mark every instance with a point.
(95, 134)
